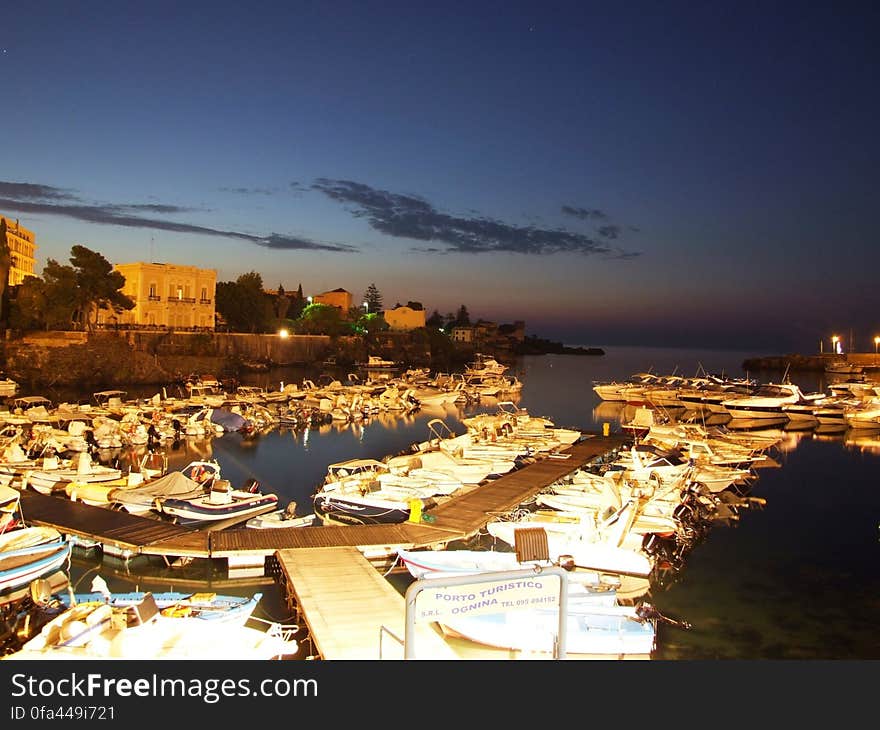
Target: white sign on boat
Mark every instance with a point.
(543, 586)
(529, 591)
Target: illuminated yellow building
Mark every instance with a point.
(339, 298)
(21, 251)
(404, 318)
(166, 295)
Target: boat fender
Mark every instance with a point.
(253, 486)
(177, 611)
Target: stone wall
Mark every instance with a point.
(148, 357)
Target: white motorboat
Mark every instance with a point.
(590, 631)
(28, 553)
(865, 415)
(617, 390)
(767, 401)
(101, 630)
(595, 622)
(83, 469)
(192, 481)
(220, 502)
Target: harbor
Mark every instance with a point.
(128, 546)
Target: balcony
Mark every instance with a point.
(154, 298)
(181, 300)
(204, 301)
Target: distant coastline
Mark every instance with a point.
(532, 345)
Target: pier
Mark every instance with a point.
(327, 574)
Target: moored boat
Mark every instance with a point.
(28, 553)
(221, 502)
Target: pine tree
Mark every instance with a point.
(373, 299)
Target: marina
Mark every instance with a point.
(281, 555)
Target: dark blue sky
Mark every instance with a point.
(613, 173)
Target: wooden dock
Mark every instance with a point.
(324, 572)
(350, 610)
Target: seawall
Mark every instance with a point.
(108, 357)
(809, 362)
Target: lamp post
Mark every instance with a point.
(876, 342)
(834, 341)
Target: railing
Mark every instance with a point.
(204, 301)
(154, 298)
(385, 630)
(182, 300)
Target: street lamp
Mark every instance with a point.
(876, 342)
(834, 341)
(366, 306)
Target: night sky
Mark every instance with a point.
(684, 174)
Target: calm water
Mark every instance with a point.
(796, 579)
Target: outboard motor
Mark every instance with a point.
(649, 612)
(651, 543)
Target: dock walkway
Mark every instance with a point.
(461, 517)
(350, 610)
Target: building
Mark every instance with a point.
(21, 251)
(166, 295)
(404, 318)
(463, 333)
(339, 298)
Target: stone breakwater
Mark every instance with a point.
(808, 362)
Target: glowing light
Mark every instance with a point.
(283, 333)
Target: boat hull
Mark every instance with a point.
(21, 565)
(334, 508)
(203, 510)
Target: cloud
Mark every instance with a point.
(29, 191)
(584, 214)
(409, 216)
(247, 191)
(43, 199)
(609, 231)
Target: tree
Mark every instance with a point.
(462, 318)
(373, 299)
(435, 320)
(28, 309)
(5, 263)
(61, 296)
(297, 304)
(245, 305)
(98, 284)
(320, 319)
(281, 305)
